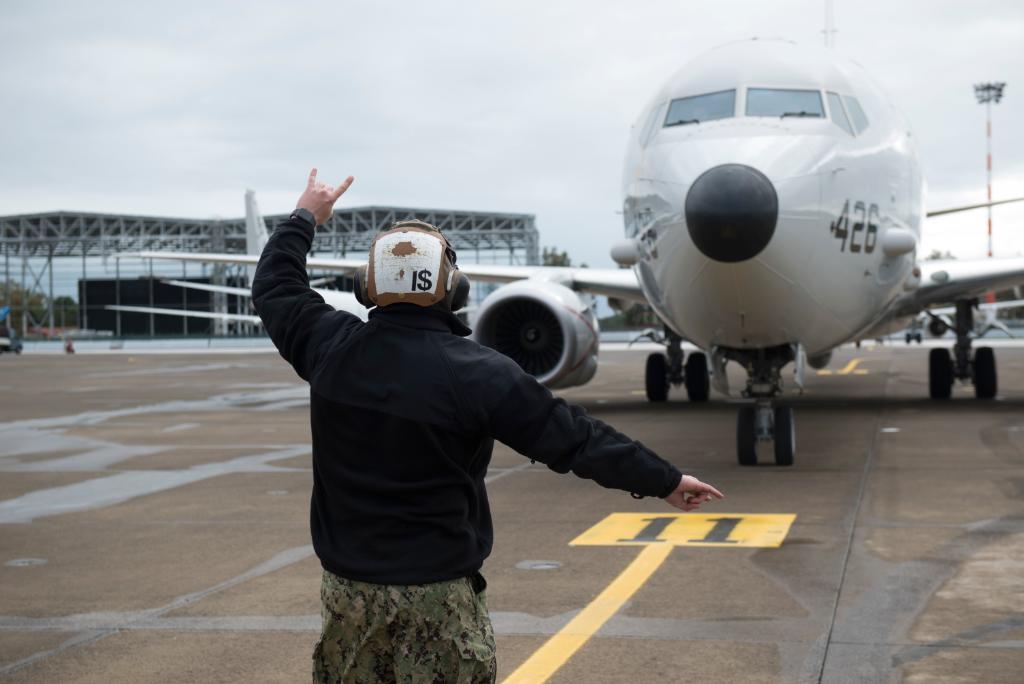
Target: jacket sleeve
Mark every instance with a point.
(526, 416)
(297, 319)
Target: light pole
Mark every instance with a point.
(986, 94)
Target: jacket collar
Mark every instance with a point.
(424, 318)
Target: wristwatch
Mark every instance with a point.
(304, 215)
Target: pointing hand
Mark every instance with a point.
(691, 493)
(319, 198)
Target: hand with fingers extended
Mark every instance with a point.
(691, 493)
(319, 198)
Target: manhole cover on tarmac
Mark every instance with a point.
(25, 562)
(538, 565)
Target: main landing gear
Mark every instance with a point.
(763, 421)
(980, 369)
(668, 369)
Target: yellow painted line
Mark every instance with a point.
(848, 369)
(722, 530)
(557, 650)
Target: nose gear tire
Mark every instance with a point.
(785, 436)
(746, 435)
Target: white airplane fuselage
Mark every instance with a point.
(820, 276)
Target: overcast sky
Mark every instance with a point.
(175, 108)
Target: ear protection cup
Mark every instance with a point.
(460, 297)
(359, 288)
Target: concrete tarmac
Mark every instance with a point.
(154, 528)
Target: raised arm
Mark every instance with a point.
(296, 317)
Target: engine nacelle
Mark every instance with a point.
(937, 327)
(820, 361)
(545, 327)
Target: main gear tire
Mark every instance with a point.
(698, 384)
(656, 377)
(985, 380)
(940, 374)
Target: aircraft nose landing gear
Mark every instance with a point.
(762, 421)
(979, 369)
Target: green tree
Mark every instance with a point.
(550, 256)
(12, 295)
(65, 312)
(641, 316)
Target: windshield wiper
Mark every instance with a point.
(800, 114)
(683, 122)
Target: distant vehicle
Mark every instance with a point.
(9, 341)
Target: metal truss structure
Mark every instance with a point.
(478, 236)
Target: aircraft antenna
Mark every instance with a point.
(830, 29)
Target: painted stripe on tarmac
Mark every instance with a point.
(559, 648)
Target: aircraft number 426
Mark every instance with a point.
(863, 234)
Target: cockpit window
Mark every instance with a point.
(783, 103)
(835, 109)
(688, 110)
(860, 119)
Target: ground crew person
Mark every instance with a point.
(404, 411)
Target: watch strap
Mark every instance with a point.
(304, 215)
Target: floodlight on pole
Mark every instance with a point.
(987, 93)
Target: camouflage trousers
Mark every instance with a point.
(429, 633)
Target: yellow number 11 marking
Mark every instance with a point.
(658, 534)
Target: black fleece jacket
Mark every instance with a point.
(404, 412)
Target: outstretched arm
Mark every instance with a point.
(296, 317)
(529, 418)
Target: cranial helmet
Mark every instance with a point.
(411, 262)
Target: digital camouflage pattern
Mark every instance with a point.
(426, 633)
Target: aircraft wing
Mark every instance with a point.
(245, 318)
(943, 282)
(992, 306)
(611, 282)
(326, 264)
(207, 287)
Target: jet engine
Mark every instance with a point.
(545, 327)
(820, 361)
(937, 327)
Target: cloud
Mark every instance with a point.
(175, 109)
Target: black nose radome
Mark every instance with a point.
(731, 212)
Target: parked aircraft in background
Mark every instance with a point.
(255, 240)
(773, 204)
(940, 320)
